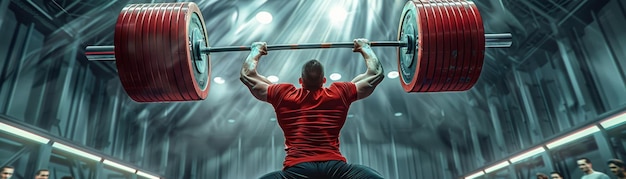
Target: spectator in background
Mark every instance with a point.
(42, 174)
(542, 176)
(585, 165)
(67, 177)
(617, 168)
(7, 172)
(556, 175)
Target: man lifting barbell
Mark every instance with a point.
(312, 116)
(162, 50)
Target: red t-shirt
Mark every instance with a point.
(311, 120)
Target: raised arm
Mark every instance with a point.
(256, 83)
(367, 82)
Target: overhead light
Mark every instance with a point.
(350, 115)
(571, 137)
(527, 154)
(392, 74)
(613, 121)
(272, 119)
(475, 175)
(219, 80)
(22, 133)
(264, 17)
(337, 15)
(497, 167)
(272, 78)
(231, 120)
(335, 76)
(398, 114)
(78, 152)
(140, 173)
(119, 166)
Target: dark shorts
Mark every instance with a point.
(325, 170)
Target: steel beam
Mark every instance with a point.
(4, 8)
(17, 155)
(612, 49)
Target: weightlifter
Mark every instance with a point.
(312, 116)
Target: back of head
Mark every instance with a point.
(312, 74)
(67, 177)
(542, 176)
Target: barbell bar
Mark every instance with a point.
(104, 53)
(162, 50)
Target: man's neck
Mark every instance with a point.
(590, 171)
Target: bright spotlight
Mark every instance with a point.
(219, 80)
(338, 15)
(231, 120)
(335, 76)
(392, 74)
(272, 78)
(264, 17)
(398, 114)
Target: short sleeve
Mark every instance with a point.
(347, 91)
(276, 93)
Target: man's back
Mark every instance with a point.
(312, 120)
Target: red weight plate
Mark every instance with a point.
(443, 46)
(145, 76)
(480, 45)
(152, 58)
(453, 57)
(128, 54)
(430, 46)
(422, 39)
(164, 49)
(473, 50)
(182, 48)
(120, 46)
(469, 34)
(157, 60)
(194, 90)
(145, 65)
(463, 46)
(175, 29)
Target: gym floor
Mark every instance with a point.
(563, 74)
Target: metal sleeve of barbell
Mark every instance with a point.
(100, 53)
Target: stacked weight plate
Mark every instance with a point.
(153, 53)
(450, 46)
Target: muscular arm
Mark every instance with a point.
(367, 82)
(256, 83)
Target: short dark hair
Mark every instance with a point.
(41, 170)
(312, 74)
(542, 176)
(67, 177)
(586, 159)
(555, 172)
(7, 166)
(619, 163)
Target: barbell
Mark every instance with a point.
(162, 49)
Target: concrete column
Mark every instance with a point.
(535, 131)
(499, 149)
(480, 160)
